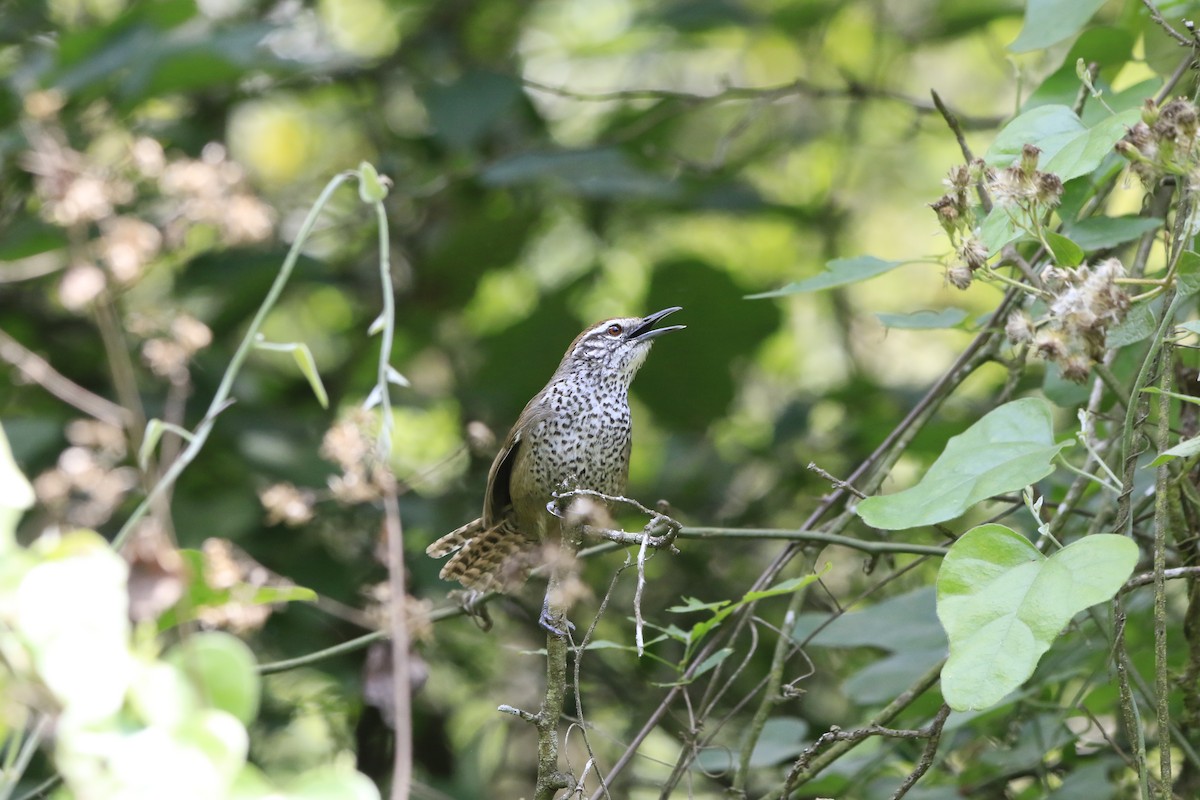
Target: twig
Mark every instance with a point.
(837, 482)
(934, 733)
(1166, 26)
(637, 596)
(1147, 578)
(401, 669)
(1128, 704)
(549, 778)
(952, 121)
(797, 87)
(225, 388)
(978, 352)
(38, 370)
(308, 659)
(771, 695)
(837, 742)
(1162, 522)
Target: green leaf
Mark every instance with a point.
(924, 320)
(1081, 154)
(782, 739)
(16, 493)
(1187, 398)
(905, 627)
(1049, 22)
(1003, 603)
(723, 608)
(1192, 326)
(1096, 233)
(1069, 148)
(838, 272)
(1139, 324)
(155, 428)
(712, 661)
(371, 187)
(1185, 449)
(1008, 449)
(200, 593)
(304, 360)
(223, 669)
(1187, 273)
(1066, 253)
(999, 229)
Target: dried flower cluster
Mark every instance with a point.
(1165, 141)
(127, 202)
(229, 568)
(1021, 189)
(86, 485)
(350, 444)
(1087, 301)
(286, 504)
(171, 340)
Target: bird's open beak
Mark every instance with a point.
(645, 329)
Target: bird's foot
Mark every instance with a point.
(557, 625)
(471, 601)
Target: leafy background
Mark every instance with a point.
(552, 163)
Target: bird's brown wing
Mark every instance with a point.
(498, 497)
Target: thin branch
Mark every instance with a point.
(934, 732)
(952, 121)
(1147, 578)
(836, 742)
(38, 370)
(1162, 522)
(309, 659)
(772, 695)
(800, 537)
(1166, 26)
(978, 352)
(798, 87)
(401, 668)
(222, 397)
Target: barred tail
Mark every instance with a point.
(496, 559)
(454, 539)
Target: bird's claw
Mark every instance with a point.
(548, 622)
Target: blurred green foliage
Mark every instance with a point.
(552, 163)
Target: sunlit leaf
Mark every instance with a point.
(1066, 253)
(304, 360)
(16, 493)
(1049, 22)
(1003, 603)
(1187, 273)
(223, 669)
(838, 272)
(1139, 324)
(1069, 148)
(1185, 449)
(1009, 448)
(371, 187)
(924, 320)
(1096, 233)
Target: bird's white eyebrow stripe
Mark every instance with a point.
(602, 327)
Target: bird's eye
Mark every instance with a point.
(614, 330)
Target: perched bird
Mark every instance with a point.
(574, 433)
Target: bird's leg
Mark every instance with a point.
(550, 620)
(474, 604)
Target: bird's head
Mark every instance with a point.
(617, 346)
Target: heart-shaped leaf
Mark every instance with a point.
(1009, 448)
(1002, 604)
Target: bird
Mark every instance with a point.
(575, 433)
